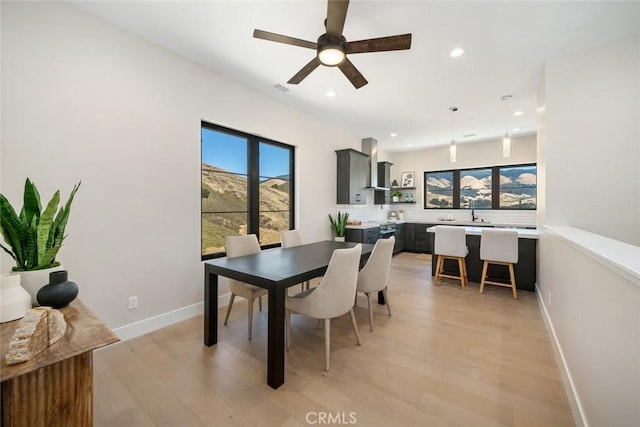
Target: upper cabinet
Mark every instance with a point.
(353, 167)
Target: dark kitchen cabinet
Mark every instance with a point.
(363, 235)
(409, 236)
(400, 239)
(422, 239)
(353, 167)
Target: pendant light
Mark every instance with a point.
(453, 155)
(506, 140)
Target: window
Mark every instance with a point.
(518, 187)
(439, 189)
(475, 188)
(497, 187)
(246, 188)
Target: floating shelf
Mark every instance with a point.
(403, 188)
(396, 203)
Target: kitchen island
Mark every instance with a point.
(525, 269)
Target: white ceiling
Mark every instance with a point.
(409, 92)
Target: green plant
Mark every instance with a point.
(339, 224)
(396, 194)
(34, 237)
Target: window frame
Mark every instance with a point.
(495, 187)
(253, 182)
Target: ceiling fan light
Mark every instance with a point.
(331, 55)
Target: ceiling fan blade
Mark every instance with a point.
(336, 15)
(305, 71)
(279, 38)
(352, 73)
(380, 44)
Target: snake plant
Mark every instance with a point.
(34, 236)
(339, 224)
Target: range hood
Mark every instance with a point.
(370, 147)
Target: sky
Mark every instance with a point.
(229, 152)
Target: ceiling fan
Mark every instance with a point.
(332, 48)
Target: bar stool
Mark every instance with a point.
(499, 247)
(451, 243)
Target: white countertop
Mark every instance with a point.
(523, 233)
(371, 224)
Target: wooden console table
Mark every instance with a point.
(54, 388)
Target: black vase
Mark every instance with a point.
(59, 292)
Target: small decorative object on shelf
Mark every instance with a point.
(59, 292)
(395, 196)
(407, 179)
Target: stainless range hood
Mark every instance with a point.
(370, 147)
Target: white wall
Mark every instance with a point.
(82, 100)
(589, 155)
(593, 141)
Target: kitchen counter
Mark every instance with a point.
(523, 233)
(477, 224)
(525, 268)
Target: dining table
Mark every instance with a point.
(276, 270)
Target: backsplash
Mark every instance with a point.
(371, 212)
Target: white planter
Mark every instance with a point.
(395, 199)
(14, 300)
(339, 239)
(32, 281)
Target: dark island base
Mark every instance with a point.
(525, 269)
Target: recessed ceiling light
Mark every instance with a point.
(457, 52)
(393, 135)
(515, 129)
(409, 145)
(518, 113)
(331, 94)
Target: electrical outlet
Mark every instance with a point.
(549, 298)
(133, 302)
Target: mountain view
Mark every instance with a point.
(517, 188)
(224, 207)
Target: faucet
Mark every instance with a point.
(473, 215)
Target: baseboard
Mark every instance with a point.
(579, 416)
(141, 327)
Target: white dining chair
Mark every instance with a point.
(332, 298)
(374, 276)
(451, 243)
(290, 239)
(499, 246)
(240, 246)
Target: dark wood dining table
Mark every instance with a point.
(275, 270)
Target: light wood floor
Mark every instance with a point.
(445, 357)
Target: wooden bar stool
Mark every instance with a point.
(499, 247)
(451, 243)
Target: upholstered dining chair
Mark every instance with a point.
(289, 239)
(375, 274)
(451, 243)
(332, 298)
(240, 246)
